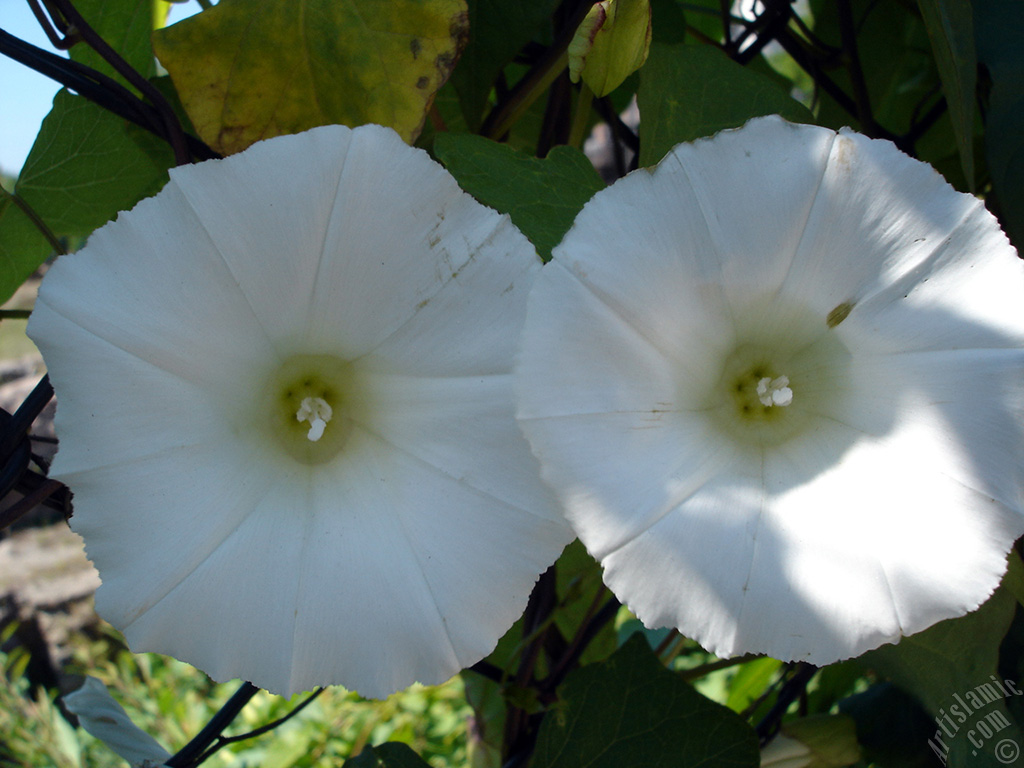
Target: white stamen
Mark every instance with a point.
(317, 412)
(774, 391)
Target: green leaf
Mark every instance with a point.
(950, 25)
(999, 29)
(668, 22)
(1013, 581)
(689, 91)
(22, 246)
(892, 727)
(87, 164)
(251, 69)
(542, 196)
(952, 669)
(125, 25)
(393, 754)
(630, 710)
(498, 29)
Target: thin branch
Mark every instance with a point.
(223, 741)
(921, 126)
(793, 688)
(851, 56)
(61, 43)
(593, 621)
(29, 502)
(794, 47)
(38, 223)
(189, 755)
(622, 132)
(489, 671)
(813, 40)
(725, 10)
(16, 430)
(714, 666)
(775, 17)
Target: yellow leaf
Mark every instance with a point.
(610, 44)
(251, 69)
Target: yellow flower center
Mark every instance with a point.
(312, 399)
(787, 371)
(756, 390)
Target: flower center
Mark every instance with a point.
(774, 391)
(317, 412)
(758, 393)
(786, 374)
(312, 400)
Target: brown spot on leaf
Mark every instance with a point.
(415, 46)
(423, 82)
(458, 29)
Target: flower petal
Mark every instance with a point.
(463, 427)
(491, 283)
(955, 298)
(267, 218)
(609, 366)
(877, 215)
(420, 558)
(139, 307)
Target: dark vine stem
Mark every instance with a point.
(38, 223)
(45, 490)
(536, 81)
(190, 754)
(16, 454)
(851, 56)
(519, 736)
(765, 28)
(174, 133)
(16, 429)
(792, 689)
(85, 81)
(557, 115)
(706, 669)
(223, 741)
(725, 11)
(98, 88)
(794, 47)
(923, 125)
(601, 618)
(61, 43)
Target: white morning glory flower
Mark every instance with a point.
(285, 410)
(778, 382)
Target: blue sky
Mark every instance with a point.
(26, 96)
